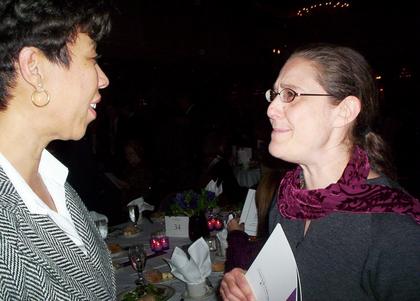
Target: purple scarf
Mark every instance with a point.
(350, 194)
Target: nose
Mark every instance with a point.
(103, 80)
(276, 108)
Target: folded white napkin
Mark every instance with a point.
(197, 268)
(98, 217)
(212, 186)
(141, 205)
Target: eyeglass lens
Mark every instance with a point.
(286, 95)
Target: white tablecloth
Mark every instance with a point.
(126, 276)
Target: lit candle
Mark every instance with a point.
(155, 245)
(164, 241)
(210, 223)
(218, 225)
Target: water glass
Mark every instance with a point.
(211, 242)
(102, 226)
(134, 214)
(196, 290)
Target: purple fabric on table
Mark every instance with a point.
(350, 194)
(241, 252)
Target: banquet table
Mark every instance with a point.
(126, 275)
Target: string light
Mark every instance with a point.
(305, 11)
(405, 73)
(276, 51)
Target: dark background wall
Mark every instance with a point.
(226, 53)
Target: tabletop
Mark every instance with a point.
(126, 275)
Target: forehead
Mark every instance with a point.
(298, 73)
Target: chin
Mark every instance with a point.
(275, 150)
(280, 152)
(77, 135)
(72, 131)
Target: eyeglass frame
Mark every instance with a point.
(269, 92)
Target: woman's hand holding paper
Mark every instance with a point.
(235, 287)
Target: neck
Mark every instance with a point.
(21, 145)
(327, 169)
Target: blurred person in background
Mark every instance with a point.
(137, 175)
(242, 248)
(216, 153)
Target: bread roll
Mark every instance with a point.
(218, 266)
(114, 248)
(153, 276)
(130, 230)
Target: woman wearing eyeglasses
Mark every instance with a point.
(354, 233)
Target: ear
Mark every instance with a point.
(29, 62)
(348, 110)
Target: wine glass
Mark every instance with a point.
(137, 256)
(134, 214)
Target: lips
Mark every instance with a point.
(94, 103)
(92, 106)
(281, 130)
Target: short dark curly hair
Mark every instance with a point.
(48, 25)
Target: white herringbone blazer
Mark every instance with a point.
(38, 261)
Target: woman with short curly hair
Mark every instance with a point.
(49, 89)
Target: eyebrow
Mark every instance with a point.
(289, 86)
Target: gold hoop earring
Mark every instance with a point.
(40, 97)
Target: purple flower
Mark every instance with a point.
(190, 202)
(210, 195)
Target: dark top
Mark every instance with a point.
(347, 256)
(241, 252)
(356, 256)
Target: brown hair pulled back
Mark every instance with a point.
(344, 72)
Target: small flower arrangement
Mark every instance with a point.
(190, 202)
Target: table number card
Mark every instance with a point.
(176, 226)
(274, 275)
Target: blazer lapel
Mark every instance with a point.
(97, 251)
